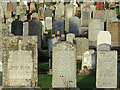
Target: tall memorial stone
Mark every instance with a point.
(114, 29)
(35, 28)
(10, 7)
(25, 28)
(70, 37)
(69, 12)
(95, 26)
(17, 28)
(104, 41)
(74, 25)
(48, 23)
(82, 45)
(20, 61)
(85, 16)
(59, 11)
(106, 74)
(41, 13)
(64, 65)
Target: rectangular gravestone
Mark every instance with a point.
(35, 28)
(70, 37)
(64, 65)
(10, 7)
(25, 28)
(20, 62)
(48, 12)
(74, 25)
(82, 45)
(48, 23)
(106, 75)
(41, 13)
(99, 15)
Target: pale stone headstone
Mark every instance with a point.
(85, 16)
(48, 23)
(106, 74)
(10, 7)
(69, 12)
(82, 45)
(64, 65)
(21, 9)
(95, 26)
(70, 37)
(41, 12)
(20, 61)
(59, 11)
(18, 10)
(14, 7)
(99, 15)
(89, 60)
(8, 14)
(5, 29)
(103, 40)
(23, 17)
(25, 28)
(74, 25)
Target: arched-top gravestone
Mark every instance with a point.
(17, 28)
(64, 65)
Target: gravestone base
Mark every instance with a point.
(21, 88)
(64, 89)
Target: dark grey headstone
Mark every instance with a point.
(17, 27)
(104, 47)
(35, 28)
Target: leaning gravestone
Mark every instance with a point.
(70, 37)
(69, 12)
(106, 74)
(95, 26)
(35, 28)
(25, 28)
(74, 25)
(64, 65)
(82, 45)
(59, 12)
(48, 23)
(104, 41)
(17, 28)
(85, 16)
(20, 61)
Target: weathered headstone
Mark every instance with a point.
(99, 15)
(48, 12)
(14, 7)
(20, 61)
(35, 28)
(23, 17)
(17, 27)
(5, 29)
(69, 12)
(103, 41)
(64, 65)
(85, 16)
(82, 45)
(25, 28)
(106, 75)
(8, 14)
(48, 23)
(95, 26)
(32, 7)
(70, 37)
(41, 13)
(74, 25)
(89, 60)
(59, 11)
(10, 7)
(114, 29)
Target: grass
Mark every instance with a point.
(45, 81)
(43, 66)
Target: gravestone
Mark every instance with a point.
(20, 61)
(74, 25)
(89, 60)
(14, 7)
(114, 29)
(99, 15)
(85, 16)
(21, 10)
(10, 7)
(48, 12)
(60, 29)
(82, 45)
(25, 28)
(23, 17)
(50, 44)
(5, 29)
(35, 16)
(35, 28)
(41, 13)
(8, 14)
(104, 41)
(70, 37)
(64, 65)
(59, 11)
(106, 74)
(48, 23)
(95, 26)
(17, 28)
(18, 10)
(69, 12)
(32, 7)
